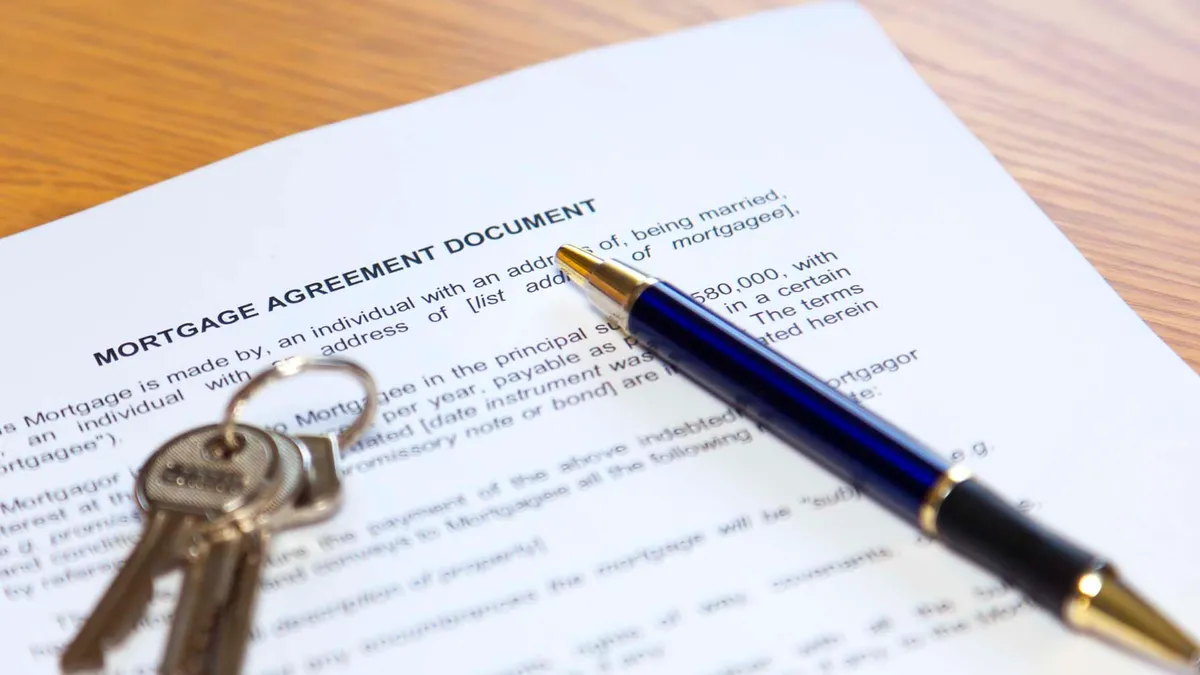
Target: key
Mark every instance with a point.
(322, 495)
(127, 596)
(227, 648)
(207, 580)
(186, 486)
(318, 497)
(211, 628)
(215, 571)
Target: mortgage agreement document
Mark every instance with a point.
(539, 495)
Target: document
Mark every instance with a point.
(540, 495)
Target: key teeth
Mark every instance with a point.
(88, 656)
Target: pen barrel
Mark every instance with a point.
(899, 472)
(793, 404)
(859, 446)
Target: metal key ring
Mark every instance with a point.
(294, 366)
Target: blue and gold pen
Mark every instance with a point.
(886, 464)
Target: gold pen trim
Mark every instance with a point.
(611, 286)
(927, 515)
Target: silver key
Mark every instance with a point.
(184, 488)
(207, 579)
(215, 571)
(227, 648)
(127, 596)
(317, 498)
(322, 494)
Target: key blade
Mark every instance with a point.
(127, 596)
(234, 626)
(208, 578)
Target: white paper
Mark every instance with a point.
(470, 544)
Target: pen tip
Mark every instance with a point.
(577, 263)
(1110, 608)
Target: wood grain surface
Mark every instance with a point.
(1093, 105)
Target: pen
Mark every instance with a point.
(943, 500)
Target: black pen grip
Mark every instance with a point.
(985, 528)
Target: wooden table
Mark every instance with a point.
(1094, 105)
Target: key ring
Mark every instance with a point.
(295, 366)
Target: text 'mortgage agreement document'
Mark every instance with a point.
(539, 495)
